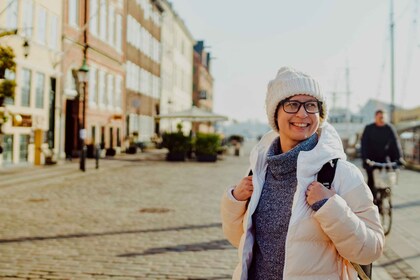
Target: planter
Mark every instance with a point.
(90, 151)
(49, 160)
(131, 150)
(206, 158)
(172, 156)
(110, 152)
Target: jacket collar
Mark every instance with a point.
(309, 162)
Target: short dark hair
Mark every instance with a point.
(379, 112)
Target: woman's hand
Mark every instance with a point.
(316, 192)
(244, 189)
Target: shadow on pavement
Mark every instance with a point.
(221, 244)
(83, 235)
(407, 204)
(398, 260)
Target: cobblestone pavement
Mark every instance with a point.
(128, 220)
(144, 218)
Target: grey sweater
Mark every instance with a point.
(271, 218)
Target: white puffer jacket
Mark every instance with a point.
(319, 245)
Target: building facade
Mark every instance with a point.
(141, 61)
(202, 84)
(176, 68)
(143, 58)
(29, 134)
(93, 31)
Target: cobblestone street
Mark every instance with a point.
(128, 220)
(147, 219)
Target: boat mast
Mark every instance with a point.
(391, 30)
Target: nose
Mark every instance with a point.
(301, 112)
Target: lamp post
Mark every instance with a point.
(26, 48)
(82, 75)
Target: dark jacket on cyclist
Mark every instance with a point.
(380, 142)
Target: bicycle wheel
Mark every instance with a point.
(385, 208)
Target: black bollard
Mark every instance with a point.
(97, 154)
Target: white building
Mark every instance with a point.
(176, 68)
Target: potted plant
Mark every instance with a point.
(7, 63)
(207, 146)
(177, 144)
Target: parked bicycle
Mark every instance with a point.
(385, 177)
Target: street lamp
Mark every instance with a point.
(26, 48)
(82, 75)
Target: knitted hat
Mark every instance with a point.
(288, 83)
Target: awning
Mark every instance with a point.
(193, 114)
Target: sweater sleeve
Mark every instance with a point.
(352, 223)
(232, 212)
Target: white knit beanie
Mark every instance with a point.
(288, 83)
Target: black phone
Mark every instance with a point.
(250, 173)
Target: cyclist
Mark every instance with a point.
(380, 143)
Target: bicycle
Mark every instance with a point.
(385, 176)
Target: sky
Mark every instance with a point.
(251, 40)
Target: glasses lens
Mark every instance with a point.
(311, 107)
(291, 106)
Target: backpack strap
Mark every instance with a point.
(326, 177)
(327, 172)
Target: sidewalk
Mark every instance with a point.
(68, 169)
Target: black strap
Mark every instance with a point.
(326, 177)
(327, 172)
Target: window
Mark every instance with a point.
(102, 20)
(12, 14)
(118, 85)
(118, 38)
(23, 148)
(129, 27)
(39, 90)
(54, 32)
(142, 79)
(28, 17)
(93, 93)
(42, 25)
(7, 149)
(25, 96)
(146, 128)
(110, 91)
(93, 15)
(73, 11)
(101, 93)
(111, 25)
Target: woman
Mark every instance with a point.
(285, 224)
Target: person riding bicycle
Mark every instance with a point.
(379, 143)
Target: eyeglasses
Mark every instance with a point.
(293, 106)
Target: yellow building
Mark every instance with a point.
(34, 120)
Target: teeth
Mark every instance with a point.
(300, 124)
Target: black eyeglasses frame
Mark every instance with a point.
(319, 103)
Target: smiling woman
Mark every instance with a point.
(294, 226)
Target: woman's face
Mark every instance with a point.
(296, 127)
